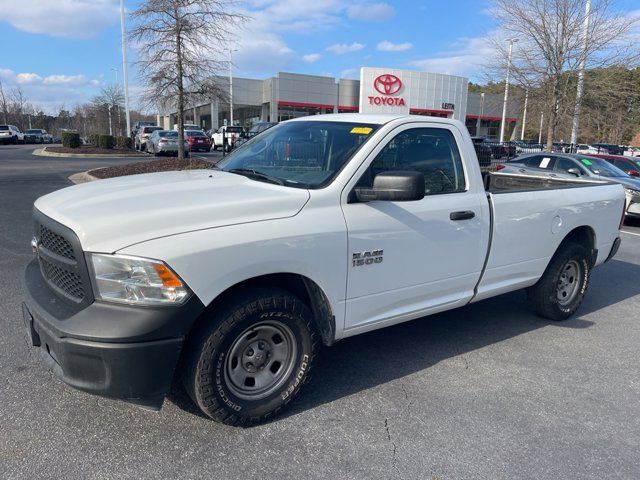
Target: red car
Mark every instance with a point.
(629, 165)
(198, 141)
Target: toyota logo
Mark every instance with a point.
(387, 84)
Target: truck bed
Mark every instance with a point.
(497, 183)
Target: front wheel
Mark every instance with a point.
(562, 287)
(252, 358)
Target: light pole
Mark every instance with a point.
(580, 89)
(124, 66)
(506, 89)
(231, 86)
(479, 121)
(110, 126)
(524, 115)
(541, 122)
(115, 70)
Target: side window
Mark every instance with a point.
(532, 161)
(430, 151)
(564, 164)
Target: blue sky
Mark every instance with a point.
(62, 52)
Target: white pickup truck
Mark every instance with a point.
(320, 228)
(226, 134)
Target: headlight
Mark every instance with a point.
(632, 192)
(134, 280)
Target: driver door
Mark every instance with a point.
(411, 258)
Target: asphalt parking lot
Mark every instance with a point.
(489, 391)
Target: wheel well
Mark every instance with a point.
(302, 287)
(584, 236)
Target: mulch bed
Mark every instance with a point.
(94, 151)
(161, 165)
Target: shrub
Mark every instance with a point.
(124, 142)
(71, 140)
(106, 141)
(94, 139)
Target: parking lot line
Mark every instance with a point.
(630, 233)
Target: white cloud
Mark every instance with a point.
(342, 48)
(61, 18)
(312, 57)
(50, 92)
(386, 46)
(467, 56)
(261, 46)
(65, 80)
(372, 12)
(25, 78)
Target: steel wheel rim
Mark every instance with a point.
(260, 360)
(568, 283)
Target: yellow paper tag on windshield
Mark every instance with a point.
(361, 130)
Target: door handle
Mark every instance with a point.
(464, 215)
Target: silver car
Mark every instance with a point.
(565, 165)
(164, 141)
(140, 142)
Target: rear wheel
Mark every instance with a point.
(562, 287)
(252, 358)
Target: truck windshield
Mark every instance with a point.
(303, 154)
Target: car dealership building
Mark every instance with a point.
(379, 90)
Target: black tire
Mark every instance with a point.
(562, 287)
(218, 356)
(15, 140)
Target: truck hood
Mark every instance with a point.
(109, 215)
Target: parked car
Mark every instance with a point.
(570, 166)
(628, 165)
(230, 133)
(37, 135)
(137, 126)
(586, 149)
(198, 141)
(164, 141)
(140, 142)
(608, 148)
(321, 228)
(255, 129)
(259, 127)
(483, 151)
(11, 134)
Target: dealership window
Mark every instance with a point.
(430, 151)
(287, 113)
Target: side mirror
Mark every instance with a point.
(394, 186)
(574, 171)
(633, 173)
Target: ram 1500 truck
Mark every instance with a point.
(231, 279)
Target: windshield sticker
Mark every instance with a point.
(587, 162)
(545, 162)
(361, 130)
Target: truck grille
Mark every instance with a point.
(62, 261)
(56, 243)
(68, 282)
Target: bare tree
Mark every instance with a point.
(551, 39)
(110, 103)
(181, 50)
(4, 104)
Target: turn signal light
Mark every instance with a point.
(169, 279)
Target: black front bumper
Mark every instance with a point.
(117, 351)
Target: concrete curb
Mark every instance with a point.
(42, 152)
(82, 177)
